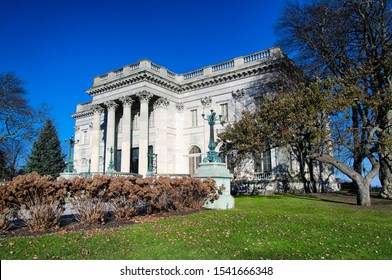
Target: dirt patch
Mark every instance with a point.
(69, 224)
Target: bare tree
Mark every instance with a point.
(17, 117)
(19, 122)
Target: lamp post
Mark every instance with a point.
(151, 163)
(111, 165)
(89, 167)
(70, 167)
(212, 155)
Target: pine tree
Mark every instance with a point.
(3, 166)
(46, 157)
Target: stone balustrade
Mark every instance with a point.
(236, 63)
(119, 72)
(155, 67)
(113, 174)
(257, 56)
(263, 176)
(222, 66)
(193, 74)
(134, 66)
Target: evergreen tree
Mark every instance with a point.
(46, 157)
(3, 166)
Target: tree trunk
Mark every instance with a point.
(386, 176)
(363, 195)
(363, 183)
(385, 155)
(357, 153)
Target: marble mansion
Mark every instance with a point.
(146, 119)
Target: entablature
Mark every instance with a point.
(146, 70)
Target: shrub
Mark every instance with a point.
(42, 215)
(90, 210)
(7, 214)
(90, 199)
(39, 198)
(125, 203)
(193, 193)
(6, 217)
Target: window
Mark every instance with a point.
(224, 112)
(194, 159)
(151, 119)
(194, 117)
(84, 137)
(263, 164)
(136, 121)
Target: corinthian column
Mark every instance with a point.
(126, 134)
(95, 137)
(161, 120)
(144, 97)
(110, 132)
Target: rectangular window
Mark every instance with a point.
(194, 117)
(224, 112)
(136, 121)
(151, 119)
(263, 164)
(84, 137)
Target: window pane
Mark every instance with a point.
(194, 117)
(224, 112)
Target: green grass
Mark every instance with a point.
(264, 227)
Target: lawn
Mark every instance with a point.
(263, 227)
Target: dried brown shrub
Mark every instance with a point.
(7, 213)
(39, 199)
(90, 210)
(90, 199)
(42, 199)
(124, 203)
(5, 220)
(193, 193)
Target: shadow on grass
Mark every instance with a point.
(345, 199)
(327, 197)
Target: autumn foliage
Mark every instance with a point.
(39, 201)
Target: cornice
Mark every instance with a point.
(236, 74)
(133, 79)
(186, 85)
(82, 114)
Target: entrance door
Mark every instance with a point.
(135, 160)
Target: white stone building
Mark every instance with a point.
(145, 108)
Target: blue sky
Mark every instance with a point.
(57, 47)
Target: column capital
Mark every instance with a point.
(126, 100)
(97, 109)
(144, 96)
(111, 105)
(161, 102)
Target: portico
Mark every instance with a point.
(113, 127)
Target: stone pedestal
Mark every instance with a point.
(221, 175)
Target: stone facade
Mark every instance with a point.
(152, 119)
